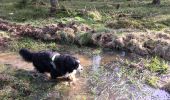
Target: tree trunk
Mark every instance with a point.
(53, 8)
(156, 2)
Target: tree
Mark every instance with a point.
(53, 8)
(156, 2)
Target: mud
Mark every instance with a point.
(15, 61)
(102, 79)
(142, 43)
(55, 32)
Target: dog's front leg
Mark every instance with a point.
(72, 77)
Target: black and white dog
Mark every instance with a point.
(54, 63)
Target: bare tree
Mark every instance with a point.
(156, 2)
(53, 8)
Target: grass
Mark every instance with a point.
(152, 81)
(138, 12)
(158, 65)
(19, 84)
(38, 45)
(131, 14)
(32, 44)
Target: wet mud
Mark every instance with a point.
(102, 79)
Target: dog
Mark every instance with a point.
(58, 65)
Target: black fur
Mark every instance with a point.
(42, 62)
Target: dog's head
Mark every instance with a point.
(80, 68)
(70, 63)
(77, 65)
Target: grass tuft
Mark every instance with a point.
(152, 81)
(157, 65)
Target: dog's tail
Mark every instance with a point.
(26, 55)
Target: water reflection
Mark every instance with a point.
(96, 62)
(113, 84)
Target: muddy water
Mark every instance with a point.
(98, 82)
(15, 61)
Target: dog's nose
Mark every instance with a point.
(80, 68)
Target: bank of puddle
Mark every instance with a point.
(97, 81)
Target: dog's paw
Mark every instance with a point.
(72, 78)
(72, 83)
(53, 80)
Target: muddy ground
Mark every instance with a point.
(109, 74)
(105, 77)
(140, 42)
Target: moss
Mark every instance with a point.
(157, 65)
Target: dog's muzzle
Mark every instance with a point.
(80, 68)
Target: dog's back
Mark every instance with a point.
(40, 59)
(47, 61)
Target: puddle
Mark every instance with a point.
(98, 83)
(15, 61)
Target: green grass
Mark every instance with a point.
(19, 84)
(143, 13)
(38, 45)
(152, 81)
(158, 65)
(32, 44)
